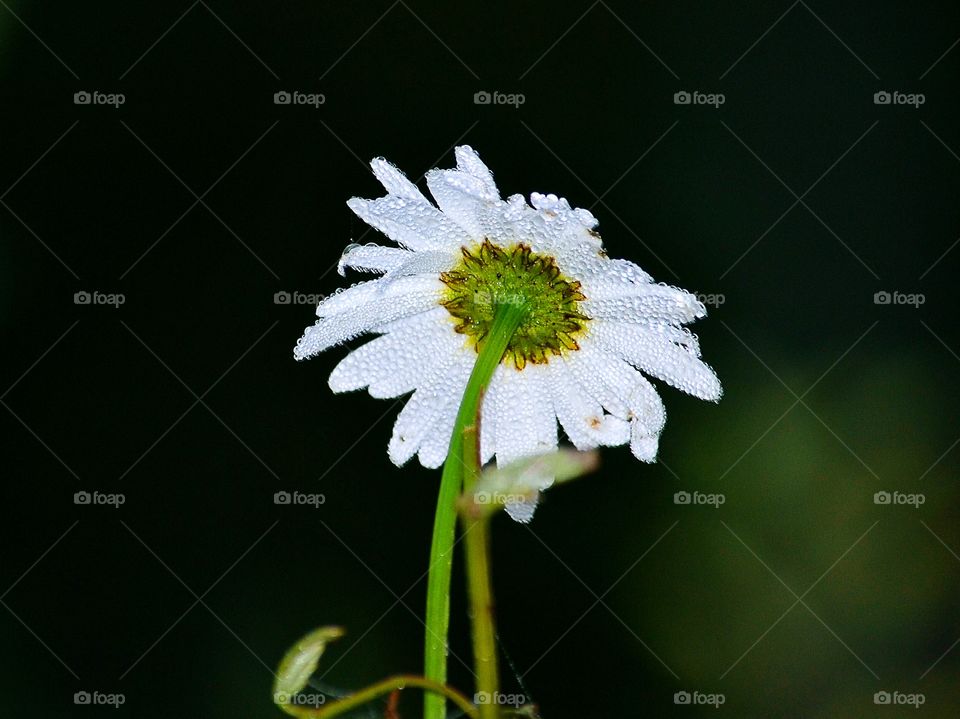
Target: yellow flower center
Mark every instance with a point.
(489, 275)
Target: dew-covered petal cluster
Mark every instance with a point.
(613, 326)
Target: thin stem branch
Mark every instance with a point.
(399, 681)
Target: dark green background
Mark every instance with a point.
(708, 608)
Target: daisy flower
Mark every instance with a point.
(593, 329)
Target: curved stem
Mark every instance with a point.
(399, 681)
(506, 320)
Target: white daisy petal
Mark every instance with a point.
(395, 262)
(658, 357)
(581, 416)
(522, 511)
(368, 366)
(468, 161)
(635, 391)
(445, 379)
(527, 428)
(394, 181)
(436, 444)
(604, 278)
(501, 430)
(336, 329)
(503, 219)
(657, 330)
(392, 364)
(425, 263)
(589, 367)
(490, 408)
(624, 384)
(527, 423)
(643, 446)
(643, 303)
(459, 197)
(413, 224)
(613, 432)
(373, 258)
(372, 290)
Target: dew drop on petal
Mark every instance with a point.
(343, 258)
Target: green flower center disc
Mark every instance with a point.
(489, 275)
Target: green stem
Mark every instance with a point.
(476, 540)
(400, 681)
(506, 320)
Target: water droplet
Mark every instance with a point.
(343, 258)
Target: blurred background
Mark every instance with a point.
(156, 199)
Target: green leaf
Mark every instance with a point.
(300, 662)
